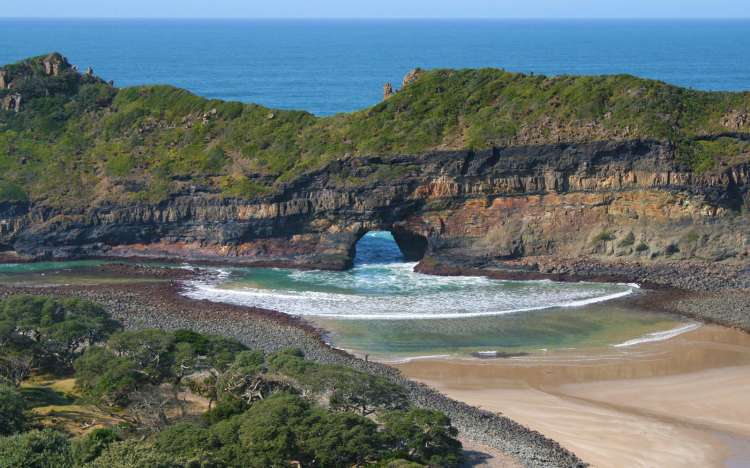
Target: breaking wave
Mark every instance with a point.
(659, 336)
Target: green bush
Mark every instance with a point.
(642, 247)
(627, 241)
(184, 440)
(55, 331)
(136, 454)
(12, 407)
(90, 446)
(603, 236)
(36, 449)
(671, 249)
(423, 436)
(10, 192)
(106, 379)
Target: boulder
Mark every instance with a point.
(411, 77)
(54, 64)
(735, 120)
(388, 90)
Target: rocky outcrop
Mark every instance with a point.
(411, 77)
(40, 77)
(55, 64)
(11, 103)
(606, 201)
(387, 90)
(735, 120)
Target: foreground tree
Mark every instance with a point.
(424, 436)
(36, 449)
(54, 331)
(105, 379)
(89, 447)
(364, 393)
(12, 407)
(15, 367)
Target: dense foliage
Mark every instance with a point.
(47, 333)
(274, 410)
(146, 142)
(12, 406)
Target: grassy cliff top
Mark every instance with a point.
(78, 140)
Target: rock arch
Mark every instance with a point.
(599, 200)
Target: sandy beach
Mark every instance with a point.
(674, 403)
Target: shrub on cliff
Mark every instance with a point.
(151, 139)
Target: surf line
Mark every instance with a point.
(659, 336)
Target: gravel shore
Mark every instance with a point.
(159, 305)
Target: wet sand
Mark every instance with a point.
(675, 403)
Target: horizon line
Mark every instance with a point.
(387, 18)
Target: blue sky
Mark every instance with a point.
(379, 8)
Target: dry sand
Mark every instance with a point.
(676, 403)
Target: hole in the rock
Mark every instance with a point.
(387, 247)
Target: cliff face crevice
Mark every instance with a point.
(617, 200)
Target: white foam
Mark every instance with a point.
(659, 336)
(416, 358)
(452, 304)
(386, 289)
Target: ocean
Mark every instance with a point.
(331, 66)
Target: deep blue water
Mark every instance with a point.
(329, 66)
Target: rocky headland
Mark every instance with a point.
(633, 192)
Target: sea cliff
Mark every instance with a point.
(469, 169)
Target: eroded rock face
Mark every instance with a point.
(11, 102)
(54, 64)
(411, 77)
(619, 200)
(735, 120)
(3, 78)
(387, 90)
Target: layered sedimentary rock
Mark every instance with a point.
(612, 169)
(626, 200)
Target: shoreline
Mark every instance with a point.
(680, 401)
(710, 293)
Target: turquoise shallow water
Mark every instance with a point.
(326, 66)
(381, 307)
(383, 286)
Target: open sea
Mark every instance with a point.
(331, 66)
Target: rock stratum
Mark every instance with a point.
(468, 169)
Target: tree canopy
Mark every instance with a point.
(276, 410)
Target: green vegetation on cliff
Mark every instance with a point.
(77, 140)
